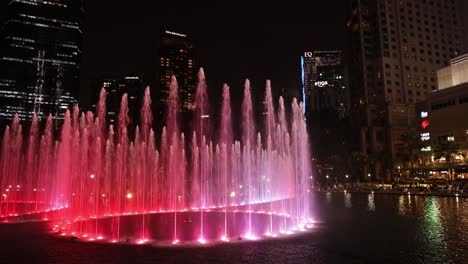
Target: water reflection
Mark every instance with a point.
(433, 229)
(328, 197)
(405, 229)
(348, 200)
(370, 202)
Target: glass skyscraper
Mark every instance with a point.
(40, 50)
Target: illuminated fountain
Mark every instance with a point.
(96, 183)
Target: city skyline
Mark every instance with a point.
(121, 41)
(120, 38)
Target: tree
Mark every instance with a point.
(413, 145)
(448, 150)
(386, 164)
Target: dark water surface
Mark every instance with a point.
(353, 228)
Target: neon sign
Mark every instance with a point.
(321, 83)
(426, 149)
(424, 124)
(425, 136)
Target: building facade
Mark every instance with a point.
(442, 117)
(115, 89)
(325, 93)
(324, 86)
(395, 48)
(40, 51)
(176, 58)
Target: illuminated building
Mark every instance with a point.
(176, 58)
(325, 94)
(115, 89)
(442, 117)
(40, 50)
(323, 82)
(395, 48)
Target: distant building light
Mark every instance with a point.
(131, 78)
(424, 114)
(175, 34)
(205, 116)
(450, 138)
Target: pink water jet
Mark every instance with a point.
(94, 180)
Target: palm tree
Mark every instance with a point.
(413, 144)
(448, 149)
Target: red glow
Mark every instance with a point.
(424, 124)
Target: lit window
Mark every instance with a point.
(450, 138)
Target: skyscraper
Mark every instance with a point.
(324, 82)
(115, 89)
(40, 49)
(176, 58)
(325, 95)
(395, 49)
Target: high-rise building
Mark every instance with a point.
(325, 95)
(324, 83)
(115, 89)
(40, 50)
(395, 49)
(176, 58)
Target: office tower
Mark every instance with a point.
(40, 49)
(395, 48)
(176, 58)
(324, 83)
(115, 89)
(325, 95)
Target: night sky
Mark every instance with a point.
(258, 40)
(235, 40)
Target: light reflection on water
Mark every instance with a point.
(370, 202)
(351, 228)
(396, 228)
(348, 200)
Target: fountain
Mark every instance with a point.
(94, 182)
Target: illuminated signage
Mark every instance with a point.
(321, 83)
(424, 124)
(426, 149)
(425, 136)
(308, 54)
(424, 114)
